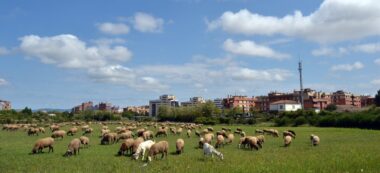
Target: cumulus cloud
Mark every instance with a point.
(250, 48)
(348, 67)
(68, 51)
(367, 48)
(333, 21)
(114, 28)
(375, 82)
(144, 22)
(326, 51)
(377, 61)
(3, 51)
(3, 82)
(264, 75)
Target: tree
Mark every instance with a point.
(331, 107)
(377, 98)
(27, 111)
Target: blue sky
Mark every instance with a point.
(58, 54)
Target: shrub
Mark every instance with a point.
(300, 121)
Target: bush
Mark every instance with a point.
(206, 120)
(300, 121)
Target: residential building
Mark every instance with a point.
(82, 107)
(193, 101)
(262, 103)
(284, 106)
(341, 97)
(219, 103)
(367, 101)
(164, 100)
(5, 105)
(244, 102)
(105, 106)
(141, 110)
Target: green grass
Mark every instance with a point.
(340, 151)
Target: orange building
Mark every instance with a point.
(244, 102)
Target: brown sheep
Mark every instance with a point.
(126, 147)
(242, 142)
(147, 135)
(253, 142)
(58, 134)
(208, 138)
(287, 133)
(197, 133)
(43, 143)
(88, 131)
(73, 148)
(41, 129)
(179, 131)
(219, 141)
(287, 140)
(72, 131)
(125, 135)
(159, 147)
(108, 138)
(180, 145)
(140, 132)
(84, 141)
(136, 144)
(54, 127)
(161, 132)
(33, 131)
(260, 139)
(230, 138)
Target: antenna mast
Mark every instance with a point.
(301, 84)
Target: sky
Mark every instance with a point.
(58, 54)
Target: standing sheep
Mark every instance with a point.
(287, 140)
(136, 144)
(72, 131)
(73, 147)
(219, 141)
(143, 147)
(126, 147)
(230, 138)
(180, 145)
(314, 140)
(43, 143)
(210, 150)
(157, 148)
(188, 133)
(88, 131)
(84, 140)
(58, 133)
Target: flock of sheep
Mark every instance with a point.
(137, 139)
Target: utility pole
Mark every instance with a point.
(301, 84)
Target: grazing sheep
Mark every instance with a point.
(126, 146)
(179, 131)
(73, 147)
(197, 133)
(136, 144)
(147, 135)
(272, 132)
(85, 127)
(43, 143)
(33, 131)
(157, 148)
(84, 141)
(223, 133)
(260, 139)
(287, 133)
(146, 145)
(108, 138)
(287, 140)
(242, 134)
(188, 133)
(259, 131)
(54, 127)
(210, 150)
(219, 141)
(161, 132)
(41, 129)
(201, 142)
(253, 142)
(88, 131)
(180, 145)
(230, 138)
(140, 132)
(72, 131)
(314, 140)
(208, 137)
(293, 132)
(58, 133)
(125, 135)
(210, 129)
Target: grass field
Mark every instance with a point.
(341, 150)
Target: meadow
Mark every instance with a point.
(341, 150)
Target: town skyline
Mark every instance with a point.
(52, 55)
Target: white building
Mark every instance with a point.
(284, 106)
(165, 100)
(193, 101)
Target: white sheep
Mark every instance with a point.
(210, 150)
(314, 140)
(142, 148)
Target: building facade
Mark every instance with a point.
(218, 103)
(285, 106)
(141, 110)
(164, 100)
(341, 97)
(243, 102)
(5, 105)
(82, 107)
(193, 101)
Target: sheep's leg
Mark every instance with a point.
(143, 154)
(259, 144)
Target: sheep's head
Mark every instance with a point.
(34, 151)
(68, 153)
(135, 156)
(221, 156)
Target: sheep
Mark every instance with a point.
(140, 132)
(33, 131)
(72, 131)
(208, 137)
(260, 139)
(210, 129)
(73, 147)
(146, 145)
(219, 141)
(54, 127)
(88, 131)
(259, 131)
(85, 127)
(293, 132)
(197, 133)
(41, 129)
(287, 133)
(287, 140)
(58, 133)
(253, 142)
(43, 143)
(223, 133)
(210, 150)
(126, 146)
(173, 130)
(272, 132)
(242, 134)
(242, 142)
(230, 138)
(314, 140)
(104, 131)
(180, 145)
(108, 138)
(201, 142)
(84, 141)
(161, 132)
(159, 147)
(179, 131)
(147, 135)
(125, 135)
(188, 133)
(136, 144)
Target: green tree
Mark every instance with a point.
(27, 111)
(331, 107)
(377, 98)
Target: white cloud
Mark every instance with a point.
(326, 51)
(3, 82)
(367, 48)
(144, 22)
(333, 21)
(114, 28)
(3, 51)
(375, 82)
(348, 67)
(250, 48)
(68, 51)
(263, 75)
(377, 61)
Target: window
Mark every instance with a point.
(281, 106)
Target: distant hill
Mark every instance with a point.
(52, 110)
